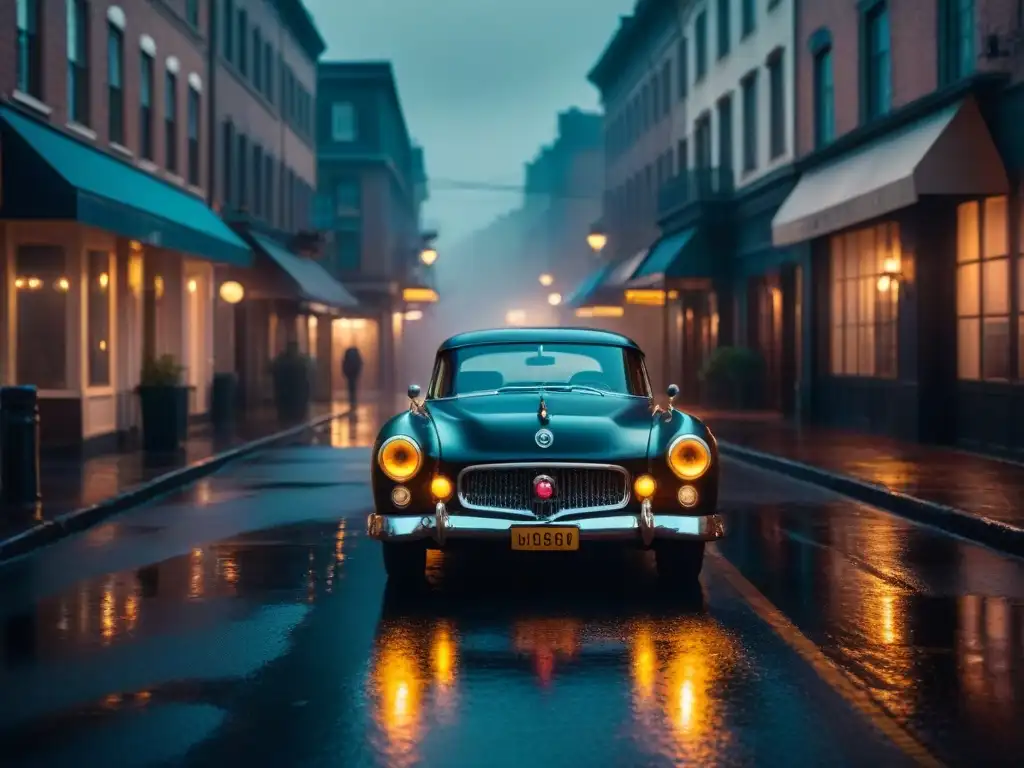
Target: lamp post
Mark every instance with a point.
(428, 256)
(597, 239)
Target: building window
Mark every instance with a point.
(192, 13)
(749, 17)
(983, 290)
(242, 164)
(655, 91)
(147, 85)
(347, 197)
(824, 98)
(78, 60)
(878, 62)
(865, 303)
(115, 84)
(702, 137)
(30, 50)
(243, 42)
(724, 28)
(268, 72)
(229, 29)
(777, 104)
(257, 59)
(725, 138)
(42, 286)
(268, 187)
(194, 107)
(348, 250)
(749, 94)
(99, 318)
(700, 31)
(343, 121)
(956, 40)
(683, 75)
(171, 122)
(682, 157)
(666, 88)
(257, 180)
(228, 169)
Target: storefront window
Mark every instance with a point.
(42, 287)
(99, 319)
(983, 290)
(865, 302)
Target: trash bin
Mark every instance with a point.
(222, 401)
(19, 445)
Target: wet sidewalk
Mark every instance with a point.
(987, 488)
(72, 483)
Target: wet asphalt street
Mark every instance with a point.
(247, 622)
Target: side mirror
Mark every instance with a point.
(673, 393)
(414, 391)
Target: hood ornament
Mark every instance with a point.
(542, 411)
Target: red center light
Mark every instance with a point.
(544, 489)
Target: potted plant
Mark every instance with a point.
(733, 378)
(164, 403)
(292, 372)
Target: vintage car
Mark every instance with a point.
(544, 439)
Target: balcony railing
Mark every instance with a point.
(700, 185)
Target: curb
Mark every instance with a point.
(60, 527)
(983, 530)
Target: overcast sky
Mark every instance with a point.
(481, 82)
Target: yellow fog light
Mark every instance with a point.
(689, 457)
(441, 488)
(644, 487)
(400, 458)
(687, 496)
(400, 496)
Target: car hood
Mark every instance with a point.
(502, 427)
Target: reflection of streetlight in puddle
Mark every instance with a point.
(195, 580)
(108, 613)
(644, 663)
(397, 684)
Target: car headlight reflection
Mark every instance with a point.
(689, 457)
(400, 458)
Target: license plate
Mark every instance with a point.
(547, 538)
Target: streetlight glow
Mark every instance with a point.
(554, 299)
(232, 292)
(515, 317)
(546, 279)
(597, 239)
(428, 256)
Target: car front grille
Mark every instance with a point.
(509, 488)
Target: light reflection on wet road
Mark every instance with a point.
(247, 622)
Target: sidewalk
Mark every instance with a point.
(967, 493)
(107, 483)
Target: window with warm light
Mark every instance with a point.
(99, 318)
(864, 305)
(41, 294)
(983, 290)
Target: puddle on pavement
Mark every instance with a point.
(281, 485)
(893, 605)
(293, 564)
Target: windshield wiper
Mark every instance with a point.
(551, 388)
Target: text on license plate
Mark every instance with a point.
(546, 538)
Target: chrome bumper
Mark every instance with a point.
(645, 527)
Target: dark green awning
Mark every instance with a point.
(681, 254)
(49, 175)
(312, 281)
(588, 288)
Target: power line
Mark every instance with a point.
(480, 186)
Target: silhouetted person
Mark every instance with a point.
(351, 367)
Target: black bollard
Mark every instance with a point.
(19, 445)
(222, 401)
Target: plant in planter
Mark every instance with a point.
(293, 383)
(733, 378)
(164, 403)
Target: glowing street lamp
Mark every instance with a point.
(554, 299)
(546, 279)
(597, 240)
(232, 292)
(428, 256)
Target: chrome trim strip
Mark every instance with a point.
(677, 441)
(624, 528)
(545, 465)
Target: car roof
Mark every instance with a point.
(538, 336)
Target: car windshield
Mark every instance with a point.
(508, 367)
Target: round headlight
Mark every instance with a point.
(688, 457)
(399, 458)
